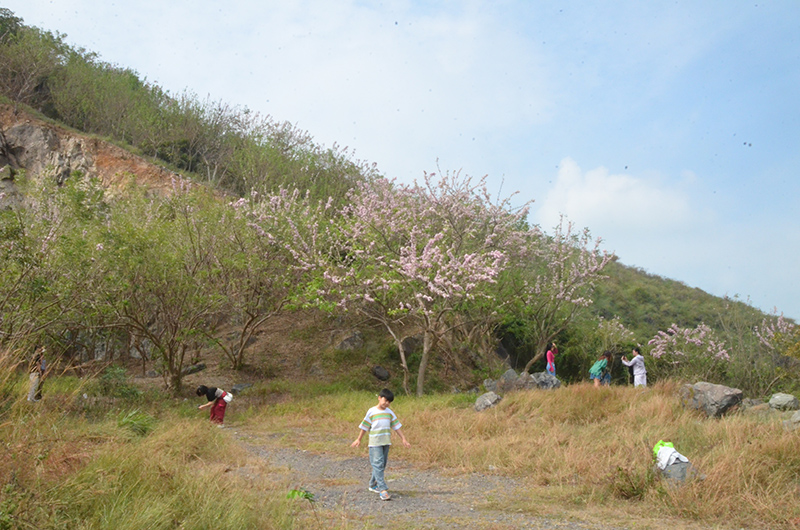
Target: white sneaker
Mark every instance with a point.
(373, 490)
(385, 495)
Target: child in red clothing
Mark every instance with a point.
(218, 399)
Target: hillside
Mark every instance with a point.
(648, 303)
(47, 151)
(176, 275)
(644, 303)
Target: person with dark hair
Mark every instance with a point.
(37, 369)
(552, 351)
(600, 371)
(379, 422)
(639, 371)
(218, 400)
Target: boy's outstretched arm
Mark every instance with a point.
(357, 442)
(403, 437)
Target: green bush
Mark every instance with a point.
(137, 422)
(113, 382)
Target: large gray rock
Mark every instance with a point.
(487, 400)
(511, 381)
(793, 423)
(713, 400)
(784, 402)
(381, 373)
(507, 381)
(679, 472)
(509, 375)
(545, 380)
(353, 342)
(537, 381)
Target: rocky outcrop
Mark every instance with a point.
(511, 381)
(47, 151)
(782, 401)
(713, 400)
(39, 150)
(486, 401)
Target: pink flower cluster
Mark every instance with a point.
(773, 330)
(682, 342)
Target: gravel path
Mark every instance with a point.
(421, 499)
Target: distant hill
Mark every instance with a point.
(647, 303)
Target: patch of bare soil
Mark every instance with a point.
(112, 165)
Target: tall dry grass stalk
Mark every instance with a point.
(72, 463)
(585, 447)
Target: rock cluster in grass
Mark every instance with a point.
(713, 400)
(718, 400)
(511, 381)
(486, 401)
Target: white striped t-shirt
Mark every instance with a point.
(379, 424)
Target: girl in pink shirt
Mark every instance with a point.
(552, 350)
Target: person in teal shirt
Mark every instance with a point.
(600, 371)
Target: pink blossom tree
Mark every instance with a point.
(256, 277)
(427, 258)
(424, 254)
(778, 333)
(407, 256)
(687, 352)
(551, 279)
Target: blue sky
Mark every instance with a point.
(670, 129)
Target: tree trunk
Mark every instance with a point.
(404, 364)
(427, 345)
(541, 349)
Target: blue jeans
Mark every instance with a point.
(377, 459)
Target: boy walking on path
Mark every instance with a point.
(379, 422)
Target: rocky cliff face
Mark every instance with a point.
(47, 151)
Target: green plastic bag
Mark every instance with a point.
(659, 445)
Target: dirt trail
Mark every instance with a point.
(421, 499)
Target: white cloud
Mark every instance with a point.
(665, 228)
(617, 204)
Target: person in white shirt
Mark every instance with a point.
(639, 371)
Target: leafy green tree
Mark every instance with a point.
(10, 24)
(161, 281)
(49, 269)
(254, 276)
(27, 57)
